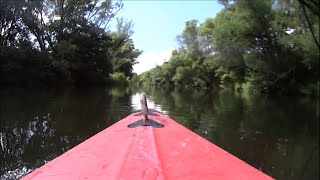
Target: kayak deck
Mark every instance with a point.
(145, 152)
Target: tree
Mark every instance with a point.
(63, 41)
(124, 54)
(263, 45)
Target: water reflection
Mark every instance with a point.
(40, 124)
(135, 103)
(277, 135)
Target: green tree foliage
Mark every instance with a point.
(192, 65)
(269, 46)
(63, 41)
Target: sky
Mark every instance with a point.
(157, 24)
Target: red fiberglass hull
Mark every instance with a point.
(145, 152)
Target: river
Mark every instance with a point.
(279, 136)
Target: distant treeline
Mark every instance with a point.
(64, 41)
(266, 46)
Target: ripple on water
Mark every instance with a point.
(15, 174)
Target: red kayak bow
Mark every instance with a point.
(155, 147)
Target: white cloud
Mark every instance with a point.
(150, 59)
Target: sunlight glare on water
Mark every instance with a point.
(135, 103)
(15, 174)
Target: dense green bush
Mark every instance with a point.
(260, 46)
